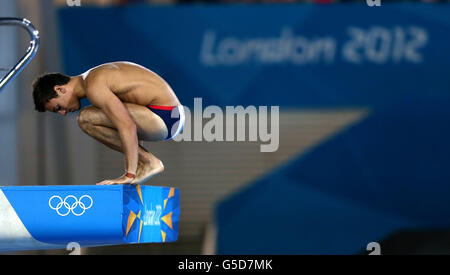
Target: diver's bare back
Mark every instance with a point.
(132, 83)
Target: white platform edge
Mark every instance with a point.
(13, 234)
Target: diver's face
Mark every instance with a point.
(64, 103)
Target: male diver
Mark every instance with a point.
(129, 103)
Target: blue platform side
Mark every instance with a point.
(89, 215)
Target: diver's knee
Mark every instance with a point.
(83, 118)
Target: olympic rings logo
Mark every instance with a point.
(70, 204)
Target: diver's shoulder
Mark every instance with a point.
(100, 72)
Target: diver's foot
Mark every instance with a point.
(147, 169)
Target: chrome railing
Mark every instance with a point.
(31, 52)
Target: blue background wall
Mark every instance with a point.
(382, 175)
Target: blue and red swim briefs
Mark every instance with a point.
(173, 117)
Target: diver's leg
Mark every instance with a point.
(150, 127)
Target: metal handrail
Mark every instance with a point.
(31, 52)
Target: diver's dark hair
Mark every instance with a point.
(43, 88)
